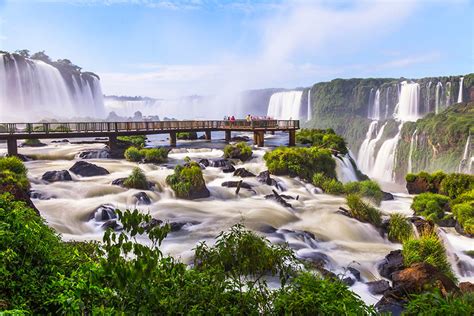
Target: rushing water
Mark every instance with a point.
(374, 106)
(285, 105)
(438, 96)
(33, 90)
(366, 156)
(461, 81)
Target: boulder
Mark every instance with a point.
(354, 272)
(391, 304)
(420, 277)
(461, 230)
(240, 139)
(447, 222)
(94, 154)
(86, 169)
(204, 162)
(387, 196)
(218, 163)
(103, 213)
(278, 198)
(235, 184)
(199, 193)
(264, 177)
(142, 198)
(422, 225)
(393, 262)
(378, 287)
(39, 195)
(243, 173)
(60, 141)
(112, 224)
(154, 222)
(228, 169)
(118, 181)
(54, 176)
(315, 257)
(419, 185)
(466, 287)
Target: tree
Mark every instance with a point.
(41, 56)
(23, 52)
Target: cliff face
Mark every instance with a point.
(350, 105)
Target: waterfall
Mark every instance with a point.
(309, 105)
(285, 105)
(439, 93)
(383, 167)
(374, 110)
(413, 143)
(371, 103)
(33, 90)
(407, 109)
(461, 81)
(345, 169)
(466, 161)
(366, 156)
(447, 92)
(428, 99)
(387, 96)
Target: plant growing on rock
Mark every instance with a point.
(399, 228)
(13, 172)
(434, 303)
(430, 205)
(367, 188)
(328, 185)
(186, 135)
(188, 182)
(363, 211)
(464, 213)
(155, 155)
(321, 138)
(133, 154)
(136, 180)
(240, 151)
(137, 141)
(456, 184)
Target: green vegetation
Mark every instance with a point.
(464, 213)
(186, 135)
(456, 184)
(430, 205)
(137, 141)
(328, 185)
(300, 162)
(435, 304)
(32, 142)
(399, 228)
(425, 182)
(13, 172)
(429, 249)
(322, 138)
(367, 188)
(136, 180)
(240, 151)
(187, 180)
(363, 211)
(148, 155)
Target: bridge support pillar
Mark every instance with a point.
(173, 139)
(259, 138)
(292, 137)
(113, 142)
(12, 147)
(207, 135)
(228, 136)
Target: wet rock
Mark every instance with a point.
(204, 162)
(39, 195)
(419, 185)
(422, 225)
(118, 181)
(243, 173)
(142, 198)
(176, 226)
(228, 169)
(60, 141)
(103, 213)
(86, 169)
(94, 154)
(278, 198)
(461, 230)
(154, 222)
(378, 287)
(54, 176)
(219, 163)
(234, 184)
(393, 262)
(264, 177)
(354, 272)
(447, 222)
(112, 224)
(466, 287)
(315, 257)
(24, 158)
(240, 139)
(267, 229)
(421, 276)
(391, 304)
(348, 281)
(387, 196)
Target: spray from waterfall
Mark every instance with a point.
(285, 105)
(413, 143)
(461, 81)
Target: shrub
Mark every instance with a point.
(240, 151)
(399, 228)
(464, 213)
(456, 184)
(430, 205)
(363, 211)
(133, 154)
(13, 172)
(155, 155)
(186, 135)
(137, 141)
(187, 181)
(13, 164)
(367, 188)
(429, 249)
(301, 162)
(33, 142)
(326, 139)
(136, 180)
(328, 185)
(433, 303)
(466, 197)
(426, 182)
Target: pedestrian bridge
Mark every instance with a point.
(11, 132)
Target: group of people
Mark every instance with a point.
(248, 118)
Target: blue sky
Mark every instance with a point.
(174, 48)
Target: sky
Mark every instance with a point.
(168, 49)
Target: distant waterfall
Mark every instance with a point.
(383, 167)
(309, 105)
(438, 96)
(374, 110)
(387, 98)
(461, 81)
(33, 90)
(413, 143)
(366, 156)
(447, 92)
(428, 99)
(285, 105)
(467, 159)
(408, 104)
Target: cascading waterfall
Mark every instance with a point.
(309, 105)
(428, 99)
(413, 143)
(407, 109)
(447, 92)
(438, 96)
(285, 105)
(32, 90)
(366, 156)
(383, 166)
(345, 168)
(461, 81)
(374, 110)
(466, 160)
(387, 98)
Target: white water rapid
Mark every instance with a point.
(461, 82)
(32, 90)
(285, 105)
